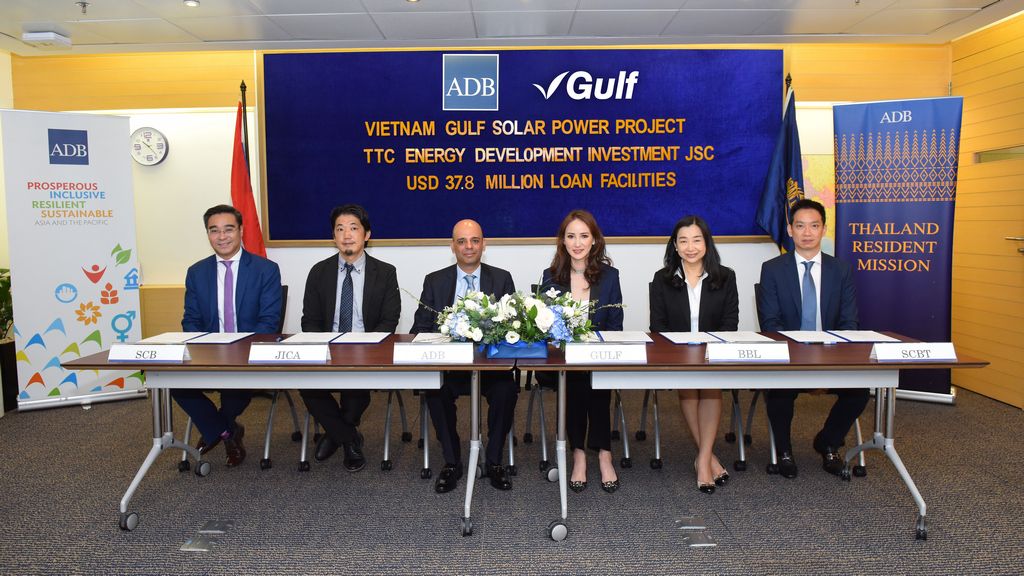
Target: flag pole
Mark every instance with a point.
(245, 127)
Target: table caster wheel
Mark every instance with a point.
(385, 465)
(184, 466)
(467, 527)
(730, 437)
(304, 466)
(615, 434)
(419, 443)
(527, 438)
(296, 436)
(626, 463)
(426, 473)
(655, 463)
(479, 471)
(739, 465)
(128, 521)
(202, 468)
(641, 435)
(552, 475)
(544, 465)
(845, 474)
(747, 439)
(860, 471)
(772, 469)
(406, 437)
(512, 470)
(557, 530)
(922, 529)
(265, 464)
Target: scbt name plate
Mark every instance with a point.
(604, 353)
(277, 353)
(446, 353)
(164, 353)
(913, 352)
(747, 352)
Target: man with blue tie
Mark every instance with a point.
(443, 288)
(230, 291)
(809, 290)
(349, 292)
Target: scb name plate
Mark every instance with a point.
(604, 353)
(913, 352)
(166, 353)
(747, 352)
(278, 353)
(446, 353)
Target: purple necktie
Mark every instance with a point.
(229, 297)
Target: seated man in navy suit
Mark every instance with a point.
(442, 288)
(809, 290)
(230, 291)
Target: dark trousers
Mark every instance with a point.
(338, 420)
(586, 413)
(501, 391)
(847, 408)
(210, 420)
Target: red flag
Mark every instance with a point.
(241, 194)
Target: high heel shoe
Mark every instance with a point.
(708, 487)
(722, 479)
(577, 486)
(610, 486)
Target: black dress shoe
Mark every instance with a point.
(448, 479)
(203, 447)
(234, 447)
(499, 477)
(722, 479)
(831, 462)
(787, 466)
(706, 488)
(354, 460)
(325, 448)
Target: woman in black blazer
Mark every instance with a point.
(581, 267)
(693, 273)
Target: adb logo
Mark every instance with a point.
(469, 82)
(69, 146)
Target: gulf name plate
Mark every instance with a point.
(164, 353)
(278, 353)
(913, 352)
(442, 353)
(605, 353)
(747, 352)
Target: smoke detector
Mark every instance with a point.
(46, 40)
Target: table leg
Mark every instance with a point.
(557, 529)
(474, 450)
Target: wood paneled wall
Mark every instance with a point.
(988, 272)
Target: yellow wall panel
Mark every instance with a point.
(161, 307)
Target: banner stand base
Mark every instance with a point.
(84, 401)
(928, 396)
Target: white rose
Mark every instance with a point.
(477, 334)
(471, 305)
(545, 318)
(511, 337)
(552, 293)
(530, 302)
(462, 329)
(445, 329)
(516, 324)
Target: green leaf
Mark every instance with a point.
(123, 256)
(116, 250)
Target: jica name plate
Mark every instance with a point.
(276, 353)
(601, 353)
(447, 353)
(747, 352)
(166, 353)
(913, 352)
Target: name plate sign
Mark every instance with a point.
(601, 353)
(276, 353)
(747, 352)
(913, 352)
(447, 353)
(166, 353)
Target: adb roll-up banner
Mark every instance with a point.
(74, 268)
(896, 168)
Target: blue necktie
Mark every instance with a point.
(345, 302)
(810, 300)
(470, 282)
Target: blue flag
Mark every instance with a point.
(784, 184)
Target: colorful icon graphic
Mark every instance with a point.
(66, 293)
(108, 295)
(94, 273)
(122, 324)
(121, 255)
(131, 279)
(88, 313)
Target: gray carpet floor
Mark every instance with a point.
(62, 473)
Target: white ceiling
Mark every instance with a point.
(163, 25)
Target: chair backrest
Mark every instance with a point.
(757, 303)
(284, 307)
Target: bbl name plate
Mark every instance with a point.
(913, 352)
(447, 353)
(165, 353)
(747, 352)
(604, 353)
(277, 353)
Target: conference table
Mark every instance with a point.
(667, 366)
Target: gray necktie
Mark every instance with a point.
(810, 300)
(470, 282)
(345, 302)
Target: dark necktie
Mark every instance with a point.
(470, 283)
(810, 300)
(345, 304)
(229, 296)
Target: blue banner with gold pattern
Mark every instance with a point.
(896, 169)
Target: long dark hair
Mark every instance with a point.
(561, 264)
(712, 261)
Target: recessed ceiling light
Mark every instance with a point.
(191, 3)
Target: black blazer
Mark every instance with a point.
(439, 292)
(606, 292)
(381, 303)
(779, 305)
(670, 304)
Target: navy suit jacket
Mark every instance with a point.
(670, 304)
(257, 296)
(606, 292)
(779, 305)
(381, 303)
(439, 292)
